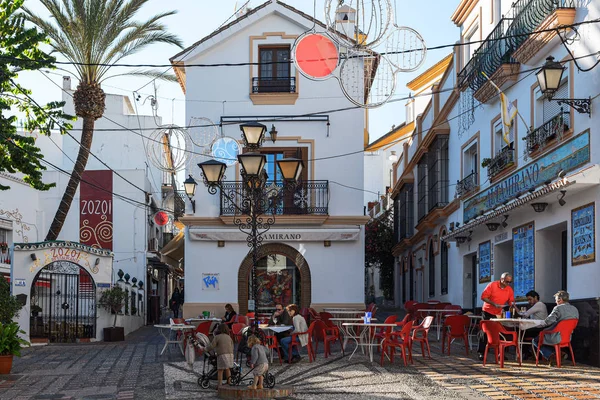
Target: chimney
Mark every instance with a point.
(345, 21)
(66, 82)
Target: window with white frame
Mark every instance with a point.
(3, 236)
(498, 139)
(470, 44)
(470, 160)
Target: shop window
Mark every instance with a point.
(278, 282)
(422, 187)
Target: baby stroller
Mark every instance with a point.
(239, 379)
(244, 349)
(243, 345)
(209, 364)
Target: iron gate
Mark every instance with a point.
(63, 303)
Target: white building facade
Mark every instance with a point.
(314, 253)
(483, 202)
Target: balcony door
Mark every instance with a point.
(296, 202)
(274, 72)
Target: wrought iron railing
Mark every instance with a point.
(523, 19)
(493, 52)
(504, 159)
(274, 85)
(467, 185)
(179, 204)
(556, 126)
(310, 197)
(529, 14)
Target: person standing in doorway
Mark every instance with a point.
(175, 302)
(495, 296)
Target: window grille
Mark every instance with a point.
(444, 266)
(431, 272)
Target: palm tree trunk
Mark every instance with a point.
(87, 135)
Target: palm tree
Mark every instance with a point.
(93, 35)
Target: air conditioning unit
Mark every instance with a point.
(153, 244)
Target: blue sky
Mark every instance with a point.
(198, 18)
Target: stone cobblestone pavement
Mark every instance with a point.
(134, 369)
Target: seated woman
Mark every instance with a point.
(229, 316)
(299, 326)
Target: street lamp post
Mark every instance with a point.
(255, 203)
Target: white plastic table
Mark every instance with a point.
(170, 328)
(366, 339)
(347, 334)
(522, 324)
(474, 321)
(438, 317)
(346, 313)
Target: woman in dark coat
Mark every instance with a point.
(175, 302)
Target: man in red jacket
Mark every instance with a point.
(495, 296)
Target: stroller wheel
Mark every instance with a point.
(269, 380)
(235, 380)
(204, 383)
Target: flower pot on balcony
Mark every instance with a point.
(116, 334)
(6, 364)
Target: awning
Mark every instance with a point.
(172, 253)
(577, 181)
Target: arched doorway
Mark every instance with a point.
(274, 259)
(63, 303)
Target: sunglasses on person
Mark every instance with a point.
(279, 309)
(508, 282)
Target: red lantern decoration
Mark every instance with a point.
(161, 218)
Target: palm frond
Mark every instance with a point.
(149, 73)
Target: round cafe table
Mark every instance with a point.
(522, 324)
(165, 331)
(348, 334)
(367, 338)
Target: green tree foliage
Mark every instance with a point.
(112, 300)
(19, 51)
(379, 240)
(9, 305)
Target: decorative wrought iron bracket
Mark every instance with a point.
(582, 106)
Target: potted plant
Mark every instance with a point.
(3, 247)
(9, 305)
(113, 300)
(485, 162)
(10, 345)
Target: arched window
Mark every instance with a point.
(431, 271)
(444, 266)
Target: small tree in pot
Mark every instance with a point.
(113, 300)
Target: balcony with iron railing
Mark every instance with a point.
(548, 131)
(309, 198)
(467, 185)
(510, 42)
(274, 84)
(504, 159)
(179, 204)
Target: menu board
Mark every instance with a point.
(485, 262)
(583, 234)
(523, 260)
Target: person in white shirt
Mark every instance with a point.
(537, 310)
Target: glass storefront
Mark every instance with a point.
(278, 281)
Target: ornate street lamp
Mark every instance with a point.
(190, 189)
(255, 204)
(549, 78)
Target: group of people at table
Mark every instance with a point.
(286, 316)
(499, 295)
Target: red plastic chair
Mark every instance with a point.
(493, 330)
(317, 328)
(409, 305)
(272, 344)
(204, 327)
(380, 335)
(451, 307)
(242, 319)
(400, 324)
(420, 334)
(331, 333)
(296, 342)
(306, 314)
(420, 315)
(250, 315)
(456, 327)
(325, 316)
(397, 340)
(314, 315)
(236, 334)
(565, 328)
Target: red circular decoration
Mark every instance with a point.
(316, 56)
(161, 218)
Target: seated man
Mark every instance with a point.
(536, 311)
(280, 316)
(561, 312)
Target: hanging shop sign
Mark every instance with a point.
(567, 157)
(485, 262)
(523, 260)
(283, 235)
(96, 209)
(583, 234)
